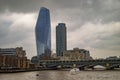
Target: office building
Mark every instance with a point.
(61, 40)
(43, 33)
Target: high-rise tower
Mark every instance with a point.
(43, 32)
(61, 42)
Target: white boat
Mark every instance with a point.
(74, 71)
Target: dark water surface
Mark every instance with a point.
(62, 75)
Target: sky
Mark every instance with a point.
(93, 25)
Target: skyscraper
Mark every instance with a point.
(43, 32)
(61, 43)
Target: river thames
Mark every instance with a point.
(62, 75)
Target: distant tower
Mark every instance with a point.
(61, 42)
(43, 32)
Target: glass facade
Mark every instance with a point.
(43, 32)
(61, 42)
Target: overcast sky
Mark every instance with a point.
(91, 24)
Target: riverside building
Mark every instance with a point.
(13, 58)
(61, 40)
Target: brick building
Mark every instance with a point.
(13, 58)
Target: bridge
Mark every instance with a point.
(81, 64)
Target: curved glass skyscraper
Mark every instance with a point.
(43, 32)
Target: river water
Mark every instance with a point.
(62, 75)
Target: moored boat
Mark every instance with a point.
(74, 71)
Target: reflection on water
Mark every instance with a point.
(62, 75)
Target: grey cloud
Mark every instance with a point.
(79, 12)
(7, 36)
(12, 30)
(20, 5)
(105, 37)
(4, 28)
(107, 40)
(82, 10)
